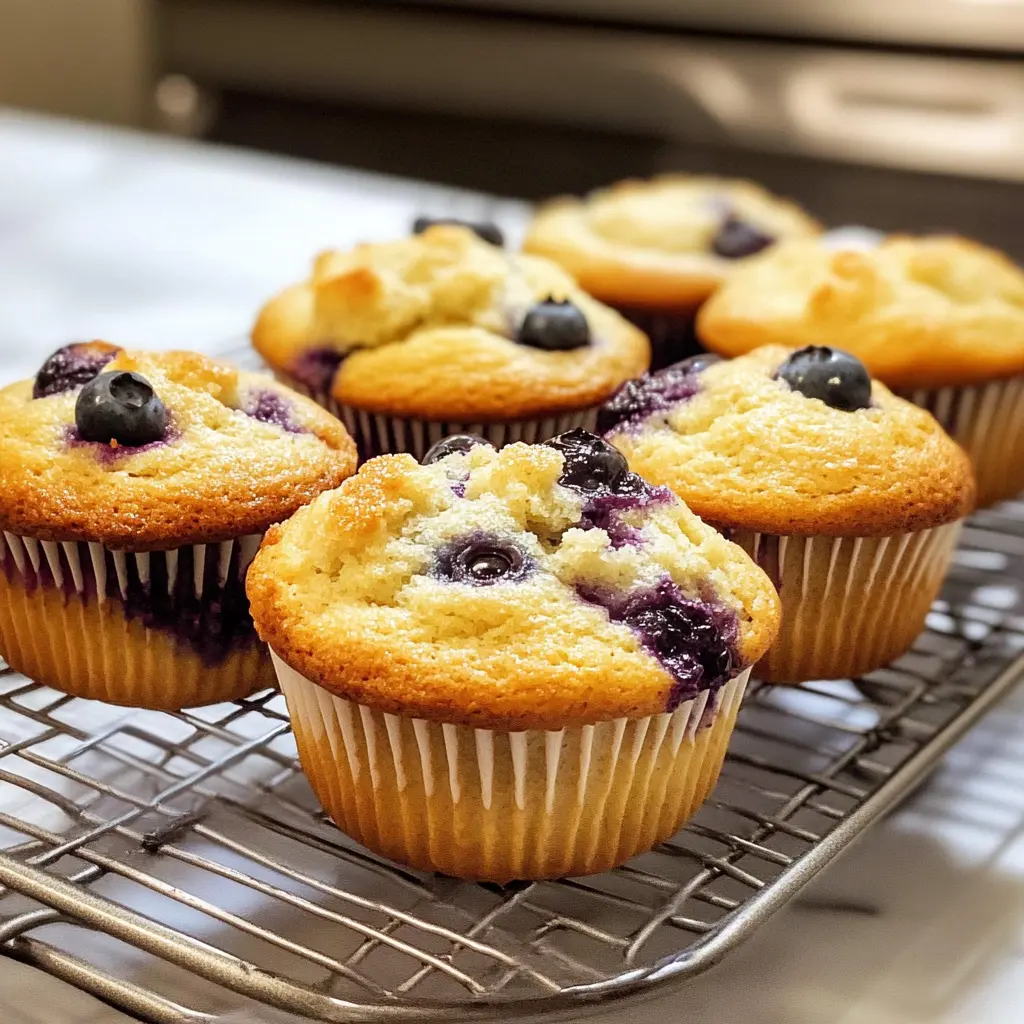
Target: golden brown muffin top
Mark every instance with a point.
(426, 327)
(489, 589)
(662, 242)
(747, 451)
(240, 452)
(920, 312)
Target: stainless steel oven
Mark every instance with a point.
(909, 114)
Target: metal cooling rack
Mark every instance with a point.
(177, 866)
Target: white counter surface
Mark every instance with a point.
(154, 243)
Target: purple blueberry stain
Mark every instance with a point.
(110, 454)
(213, 624)
(315, 369)
(693, 640)
(600, 474)
(604, 512)
(638, 400)
(737, 238)
(481, 559)
(72, 366)
(270, 407)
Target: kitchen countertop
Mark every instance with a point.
(152, 242)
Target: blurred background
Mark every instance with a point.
(905, 114)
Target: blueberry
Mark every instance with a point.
(829, 374)
(686, 638)
(656, 392)
(554, 326)
(481, 560)
(485, 229)
(450, 445)
(122, 407)
(590, 464)
(72, 366)
(737, 238)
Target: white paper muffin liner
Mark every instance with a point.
(487, 804)
(376, 434)
(987, 421)
(849, 604)
(63, 621)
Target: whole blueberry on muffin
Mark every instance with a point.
(938, 319)
(443, 333)
(849, 497)
(514, 664)
(655, 250)
(137, 487)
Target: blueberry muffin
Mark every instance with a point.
(849, 497)
(655, 250)
(938, 319)
(136, 489)
(413, 340)
(514, 664)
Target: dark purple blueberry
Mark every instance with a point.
(837, 378)
(270, 407)
(592, 465)
(653, 393)
(122, 407)
(555, 326)
(481, 560)
(450, 445)
(694, 640)
(316, 369)
(485, 229)
(72, 366)
(737, 238)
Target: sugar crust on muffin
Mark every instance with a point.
(425, 327)
(348, 593)
(241, 452)
(650, 243)
(920, 312)
(747, 451)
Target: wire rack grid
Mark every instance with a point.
(178, 866)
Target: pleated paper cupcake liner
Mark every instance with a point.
(673, 335)
(160, 630)
(498, 806)
(376, 434)
(849, 604)
(987, 421)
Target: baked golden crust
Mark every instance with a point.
(221, 473)
(648, 243)
(920, 312)
(749, 453)
(427, 322)
(347, 594)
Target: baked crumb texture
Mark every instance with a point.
(747, 452)
(352, 593)
(928, 312)
(649, 244)
(424, 329)
(241, 452)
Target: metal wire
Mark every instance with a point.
(148, 849)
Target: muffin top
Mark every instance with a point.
(536, 587)
(920, 312)
(444, 325)
(789, 442)
(143, 450)
(667, 242)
